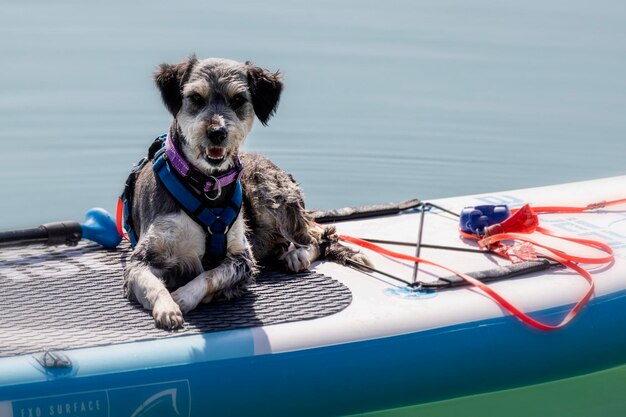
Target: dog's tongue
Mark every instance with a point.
(216, 153)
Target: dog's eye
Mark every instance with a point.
(237, 101)
(196, 99)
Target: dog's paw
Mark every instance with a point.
(297, 260)
(189, 295)
(167, 314)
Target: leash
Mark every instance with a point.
(523, 221)
(519, 225)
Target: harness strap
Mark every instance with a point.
(124, 221)
(223, 219)
(215, 220)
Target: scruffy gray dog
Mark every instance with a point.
(214, 103)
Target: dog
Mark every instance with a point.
(214, 103)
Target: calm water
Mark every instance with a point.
(384, 101)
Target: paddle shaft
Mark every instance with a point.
(57, 233)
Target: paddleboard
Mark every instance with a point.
(331, 341)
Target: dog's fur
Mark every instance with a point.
(214, 102)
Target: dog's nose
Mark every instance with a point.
(218, 135)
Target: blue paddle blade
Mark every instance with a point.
(99, 227)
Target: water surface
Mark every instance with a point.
(384, 101)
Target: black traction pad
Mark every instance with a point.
(66, 298)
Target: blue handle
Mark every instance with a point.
(475, 219)
(99, 227)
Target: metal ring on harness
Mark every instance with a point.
(217, 183)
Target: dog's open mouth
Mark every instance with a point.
(215, 155)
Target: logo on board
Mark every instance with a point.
(167, 399)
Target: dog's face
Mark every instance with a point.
(214, 102)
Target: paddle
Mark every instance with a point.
(98, 227)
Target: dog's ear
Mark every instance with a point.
(265, 88)
(170, 80)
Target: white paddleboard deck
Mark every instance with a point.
(378, 311)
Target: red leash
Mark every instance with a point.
(119, 219)
(522, 221)
(563, 210)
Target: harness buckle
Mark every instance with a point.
(216, 183)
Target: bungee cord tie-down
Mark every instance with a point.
(506, 233)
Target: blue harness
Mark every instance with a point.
(216, 221)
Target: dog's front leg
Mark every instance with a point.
(145, 284)
(230, 277)
(172, 241)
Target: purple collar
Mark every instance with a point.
(185, 169)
